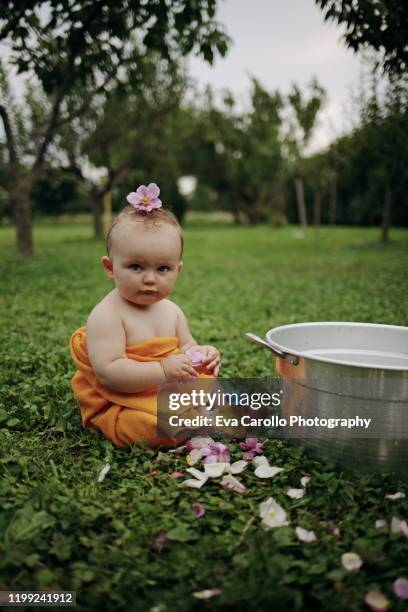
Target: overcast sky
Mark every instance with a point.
(281, 42)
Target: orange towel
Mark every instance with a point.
(124, 418)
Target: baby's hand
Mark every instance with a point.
(178, 367)
(211, 357)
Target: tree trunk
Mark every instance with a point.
(385, 227)
(300, 199)
(20, 198)
(96, 210)
(107, 210)
(317, 208)
(333, 203)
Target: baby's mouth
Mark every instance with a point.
(149, 292)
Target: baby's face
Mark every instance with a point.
(144, 262)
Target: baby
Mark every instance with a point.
(135, 338)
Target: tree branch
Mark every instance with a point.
(11, 145)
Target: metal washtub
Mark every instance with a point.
(340, 370)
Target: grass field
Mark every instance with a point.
(61, 529)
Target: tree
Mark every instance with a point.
(305, 113)
(239, 155)
(87, 48)
(380, 24)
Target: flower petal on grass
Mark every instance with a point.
(398, 495)
(199, 442)
(267, 471)
(272, 514)
(304, 535)
(216, 453)
(295, 493)
(333, 529)
(177, 450)
(198, 509)
(194, 456)
(380, 523)
(398, 526)
(376, 601)
(103, 472)
(401, 588)
(238, 466)
(252, 445)
(194, 483)
(230, 482)
(248, 456)
(159, 540)
(214, 470)
(197, 473)
(207, 593)
(176, 474)
(304, 481)
(197, 482)
(351, 561)
(262, 460)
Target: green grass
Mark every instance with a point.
(60, 529)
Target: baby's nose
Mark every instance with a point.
(149, 278)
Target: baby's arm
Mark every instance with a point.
(106, 342)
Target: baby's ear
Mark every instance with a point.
(107, 264)
(180, 267)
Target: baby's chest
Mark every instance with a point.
(144, 326)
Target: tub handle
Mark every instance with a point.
(293, 359)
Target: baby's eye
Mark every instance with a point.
(163, 269)
(135, 267)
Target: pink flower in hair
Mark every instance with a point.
(145, 198)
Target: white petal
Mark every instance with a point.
(351, 561)
(230, 482)
(272, 514)
(197, 473)
(267, 471)
(260, 460)
(305, 480)
(213, 470)
(380, 523)
(194, 456)
(398, 526)
(304, 535)
(238, 466)
(295, 493)
(103, 472)
(398, 495)
(194, 483)
(201, 442)
(177, 450)
(207, 593)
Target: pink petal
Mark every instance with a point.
(152, 191)
(401, 588)
(141, 191)
(248, 456)
(199, 442)
(133, 198)
(376, 601)
(153, 204)
(207, 593)
(160, 540)
(198, 509)
(176, 474)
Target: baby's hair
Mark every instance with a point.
(154, 218)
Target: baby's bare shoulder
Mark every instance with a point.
(105, 313)
(170, 308)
